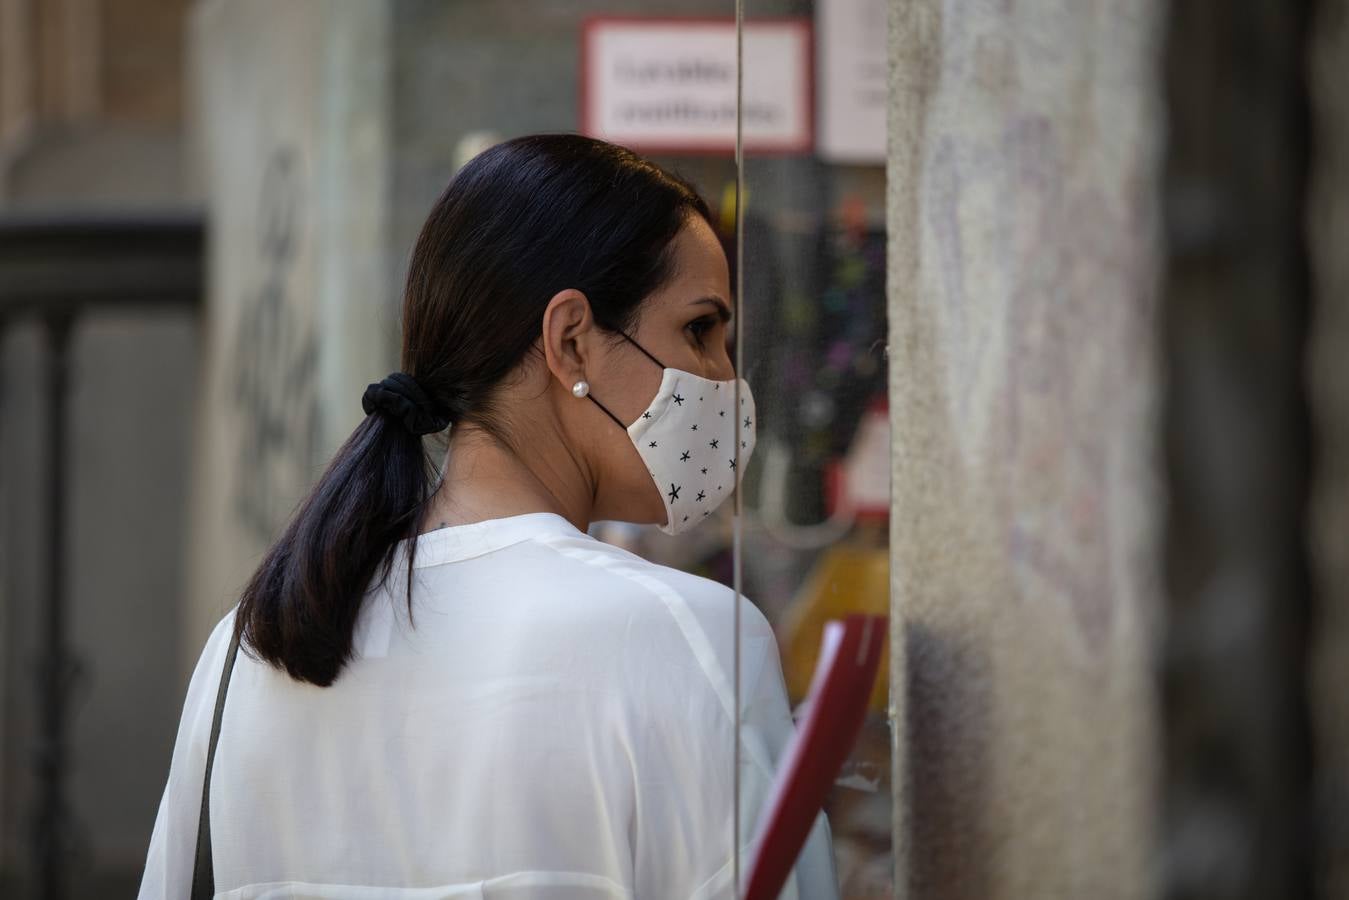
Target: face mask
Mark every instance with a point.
(687, 438)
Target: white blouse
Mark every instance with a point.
(555, 721)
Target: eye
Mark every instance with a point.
(701, 326)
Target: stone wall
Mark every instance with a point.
(1023, 260)
(1233, 669)
(1328, 372)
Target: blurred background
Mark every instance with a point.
(1045, 306)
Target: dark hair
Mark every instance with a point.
(521, 221)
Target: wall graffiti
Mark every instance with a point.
(275, 359)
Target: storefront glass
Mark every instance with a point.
(813, 345)
(807, 265)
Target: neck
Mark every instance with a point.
(485, 480)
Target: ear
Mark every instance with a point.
(568, 332)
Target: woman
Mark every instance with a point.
(450, 689)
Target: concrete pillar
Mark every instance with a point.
(301, 308)
(1023, 258)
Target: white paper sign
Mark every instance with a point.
(852, 99)
(668, 85)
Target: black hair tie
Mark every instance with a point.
(401, 398)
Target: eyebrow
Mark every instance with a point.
(723, 310)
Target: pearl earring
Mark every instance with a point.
(580, 389)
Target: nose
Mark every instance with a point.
(728, 369)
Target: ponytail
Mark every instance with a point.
(298, 611)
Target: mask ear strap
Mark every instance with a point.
(618, 421)
(606, 409)
(643, 349)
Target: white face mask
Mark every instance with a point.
(687, 438)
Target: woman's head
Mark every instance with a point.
(536, 261)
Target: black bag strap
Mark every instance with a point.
(203, 871)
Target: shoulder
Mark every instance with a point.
(212, 658)
(662, 616)
(667, 593)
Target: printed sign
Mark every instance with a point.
(669, 85)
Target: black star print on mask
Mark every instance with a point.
(652, 444)
(646, 415)
(704, 470)
(678, 399)
(743, 445)
(694, 426)
(712, 444)
(746, 421)
(685, 456)
(722, 413)
(674, 491)
(732, 462)
(701, 495)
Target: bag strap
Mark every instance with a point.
(203, 870)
